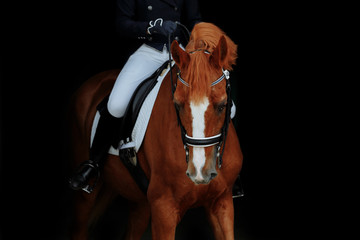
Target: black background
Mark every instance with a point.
(49, 49)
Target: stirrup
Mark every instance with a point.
(89, 188)
(238, 194)
(238, 191)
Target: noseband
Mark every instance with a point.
(219, 139)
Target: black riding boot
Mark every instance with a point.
(103, 139)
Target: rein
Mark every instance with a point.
(220, 139)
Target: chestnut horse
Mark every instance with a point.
(178, 179)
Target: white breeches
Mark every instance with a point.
(140, 65)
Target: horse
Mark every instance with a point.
(189, 112)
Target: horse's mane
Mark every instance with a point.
(205, 36)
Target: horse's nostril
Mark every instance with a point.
(187, 174)
(213, 175)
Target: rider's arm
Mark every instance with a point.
(126, 24)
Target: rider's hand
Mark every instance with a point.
(161, 27)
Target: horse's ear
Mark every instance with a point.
(219, 54)
(181, 57)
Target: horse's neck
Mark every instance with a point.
(163, 113)
(166, 95)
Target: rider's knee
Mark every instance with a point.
(115, 108)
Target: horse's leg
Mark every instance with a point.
(165, 216)
(138, 220)
(83, 206)
(221, 215)
(87, 209)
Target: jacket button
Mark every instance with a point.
(149, 7)
(175, 8)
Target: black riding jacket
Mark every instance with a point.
(133, 17)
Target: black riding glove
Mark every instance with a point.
(161, 27)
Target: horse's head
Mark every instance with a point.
(201, 104)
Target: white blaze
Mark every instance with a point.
(198, 125)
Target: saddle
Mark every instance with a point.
(123, 135)
(137, 100)
(124, 131)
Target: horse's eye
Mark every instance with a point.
(221, 107)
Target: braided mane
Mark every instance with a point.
(206, 36)
(199, 72)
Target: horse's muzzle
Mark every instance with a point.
(202, 178)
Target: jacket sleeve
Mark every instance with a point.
(192, 13)
(126, 25)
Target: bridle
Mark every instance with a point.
(220, 139)
(217, 140)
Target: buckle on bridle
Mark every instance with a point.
(186, 153)
(219, 155)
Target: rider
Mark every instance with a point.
(150, 21)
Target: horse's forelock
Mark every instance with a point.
(199, 72)
(206, 36)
